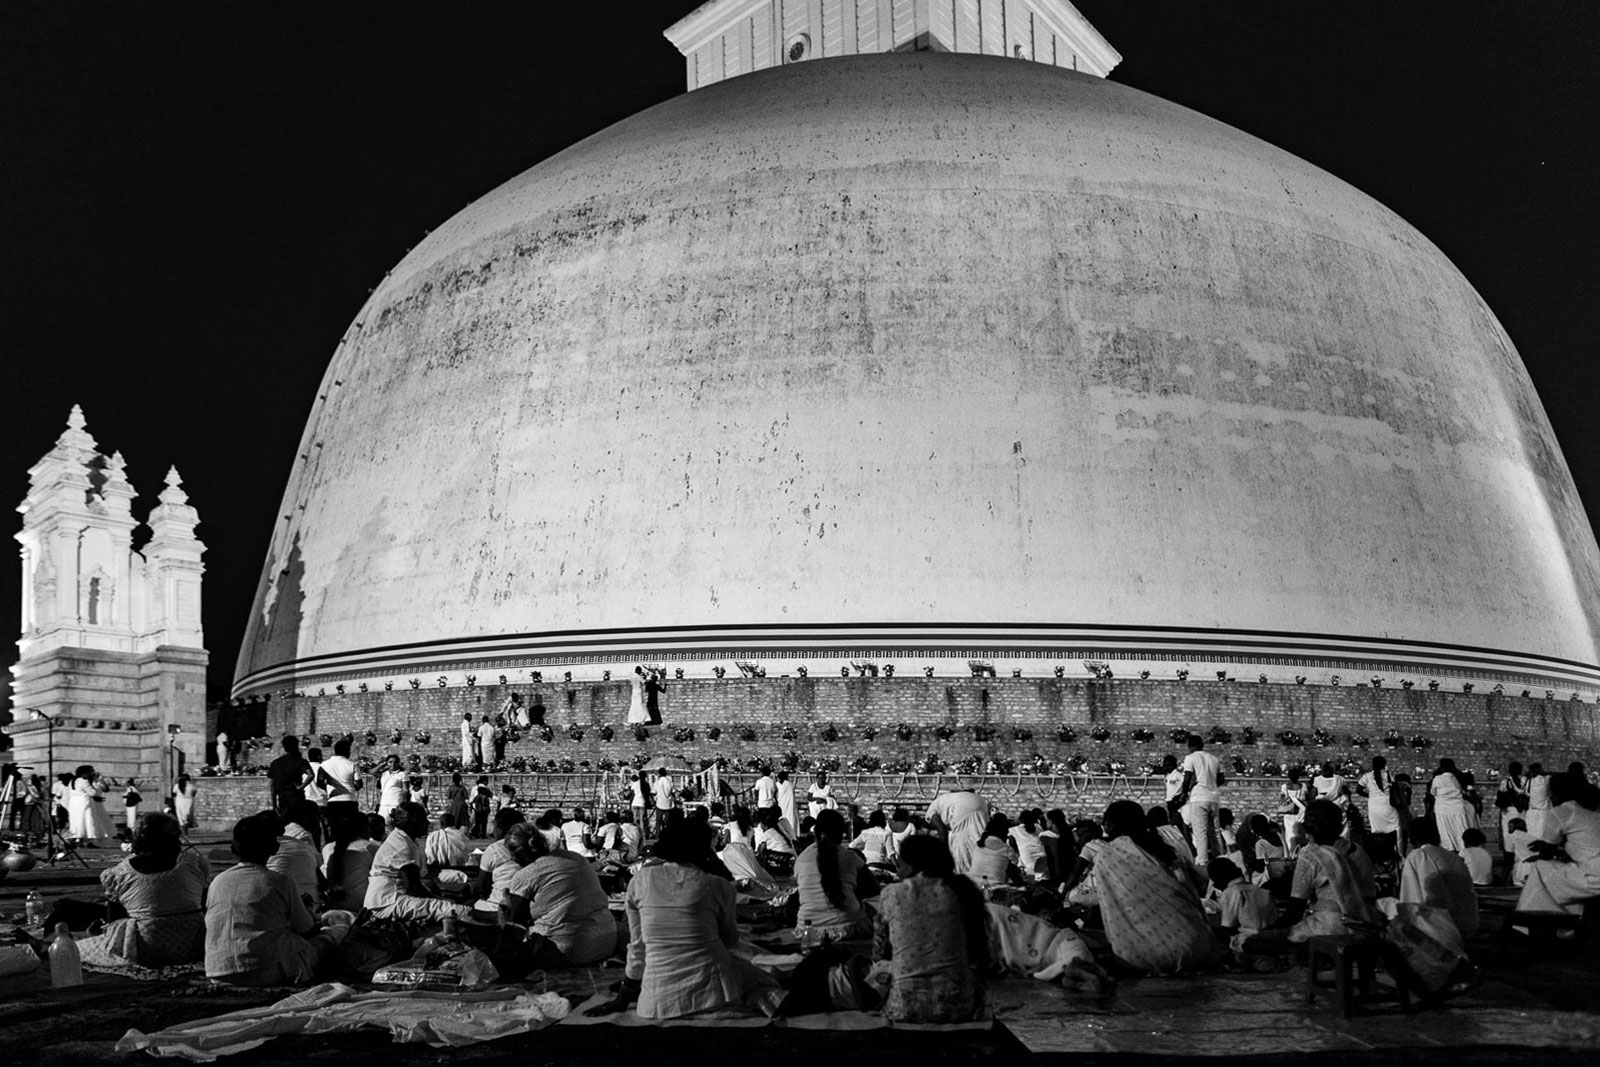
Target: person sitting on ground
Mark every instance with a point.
(576, 835)
(162, 888)
(395, 888)
(1271, 866)
(1326, 884)
(739, 830)
(558, 895)
(1479, 863)
(258, 932)
(347, 857)
(1161, 822)
(1229, 836)
(833, 880)
(608, 838)
(1437, 877)
(901, 826)
(991, 862)
(447, 851)
(741, 862)
(1360, 859)
(630, 836)
(932, 936)
(1149, 899)
(876, 842)
(1079, 888)
(299, 852)
(1245, 909)
(774, 846)
(1027, 839)
(1518, 846)
(1571, 829)
(549, 824)
(497, 865)
(1060, 847)
(682, 922)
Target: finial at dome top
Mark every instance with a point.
(722, 39)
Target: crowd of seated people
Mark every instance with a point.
(897, 903)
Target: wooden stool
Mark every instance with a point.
(1347, 955)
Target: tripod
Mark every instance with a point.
(61, 848)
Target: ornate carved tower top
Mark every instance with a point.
(84, 586)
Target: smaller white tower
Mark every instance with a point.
(112, 649)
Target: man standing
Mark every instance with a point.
(766, 791)
(469, 758)
(663, 794)
(486, 741)
(339, 776)
(1203, 781)
(224, 757)
(288, 774)
(652, 696)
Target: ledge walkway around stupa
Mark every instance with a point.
(1527, 1010)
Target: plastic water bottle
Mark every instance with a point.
(808, 937)
(35, 909)
(66, 963)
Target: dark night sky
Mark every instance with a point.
(197, 198)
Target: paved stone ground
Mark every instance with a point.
(1529, 1009)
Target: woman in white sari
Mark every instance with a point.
(87, 819)
(636, 709)
(1449, 805)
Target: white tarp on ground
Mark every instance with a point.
(439, 1019)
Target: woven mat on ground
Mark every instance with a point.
(141, 973)
(721, 1020)
(438, 1019)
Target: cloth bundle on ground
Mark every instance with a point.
(1429, 942)
(1028, 945)
(438, 1019)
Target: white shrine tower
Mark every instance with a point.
(112, 652)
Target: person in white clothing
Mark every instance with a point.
(1203, 781)
(819, 798)
(1573, 827)
(392, 788)
(1512, 798)
(486, 742)
(576, 835)
(787, 811)
(876, 843)
(636, 801)
(1449, 803)
(1172, 779)
(960, 817)
(1383, 822)
(637, 714)
(766, 791)
(224, 754)
(661, 791)
(395, 889)
(339, 777)
(1539, 805)
(467, 759)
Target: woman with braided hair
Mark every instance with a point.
(833, 879)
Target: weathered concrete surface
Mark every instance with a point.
(923, 338)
